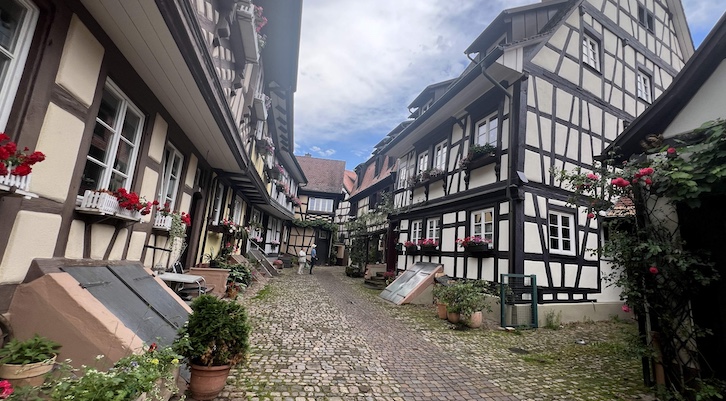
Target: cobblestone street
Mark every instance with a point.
(324, 337)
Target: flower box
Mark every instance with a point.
(162, 222)
(16, 184)
(412, 250)
(248, 31)
(258, 104)
(429, 249)
(101, 203)
(127, 214)
(480, 160)
(480, 250)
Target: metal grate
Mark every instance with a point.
(518, 300)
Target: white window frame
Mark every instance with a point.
(560, 235)
(646, 19)
(487, 130)
(422, 163)
(440, 151)
(591, 51)
(167, 194)
(218, 203)
(322, 205)
(17, 57)
(402, 172)
(433, 230)
(237, 214)
(108, 165)
(483, 228)
(644, 86)
(416, 231)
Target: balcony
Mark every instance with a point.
(258, 104)
(246, 24)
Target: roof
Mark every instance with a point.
(369, 177)
(684, 87)
(624, 207)
(424, 95)
(323, 175)
(349, 180)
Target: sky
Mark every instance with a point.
(363, 62)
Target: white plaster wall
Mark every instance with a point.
(149, 186)
(136, 246)
(60, 139)
(80, 62)
(533, 167)
(706, 105)
(191, 171)
(34, 235)
(158, 139)
(74, 247)
(118, 246)
(546, 58)
(101, 235)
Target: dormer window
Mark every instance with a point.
(425, 107)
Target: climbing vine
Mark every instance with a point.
(657, 276)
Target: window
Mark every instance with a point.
(440, 156)
(402, 172)
(320, 205)
(237, 213)
(115, 143)
(171, 172)
(591, 51)
(218, 203)
(646, 19)
(416, 230)
(482, 224)
(17, 23)
(486, 131)
(423, 162)
(561, 233)
(644, 86)
(432, 229)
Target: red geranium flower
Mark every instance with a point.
(653, 270)
(6, 389)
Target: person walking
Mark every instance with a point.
(301, 257)
(313, 257)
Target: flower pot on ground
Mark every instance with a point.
(463, 297)
(453, 317)
(441, 310)
(215, 338)
(475, 320)
(27, 362)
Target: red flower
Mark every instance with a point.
(4, 137)
(152, 347)
(648, 181)
(653, 270)
(591, 215)
(620, 182)
(186, 219)
(11, 147)
(22, 170)
(671, 153)
(4, 154)
(35, 157)
(6, 389)
(625, 308)
(3, 169)
(592, 176)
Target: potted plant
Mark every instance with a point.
(411, 247)
(215, 338)
(26, 362)
(441, 296)
(475, 245)
(428, 245)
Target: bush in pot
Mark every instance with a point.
(26, 362)
(215, 338)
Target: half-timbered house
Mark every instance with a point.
(171, 101)
(550, 85)
(318, 200)
(342, 217)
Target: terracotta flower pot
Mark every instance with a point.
(207, 381)
(32, 374)
(453, 317)
(475, 320)
(441, 310)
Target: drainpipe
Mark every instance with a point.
(510, 162)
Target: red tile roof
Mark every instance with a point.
(349, 181)
(324, 175)
(369, 175)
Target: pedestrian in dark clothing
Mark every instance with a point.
(313, 257)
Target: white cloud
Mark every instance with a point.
(362, 62)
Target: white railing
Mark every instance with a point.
(162, 222)
(104, 203)
(16, 184)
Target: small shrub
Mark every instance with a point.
(553, 321)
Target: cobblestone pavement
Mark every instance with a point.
(323, 337)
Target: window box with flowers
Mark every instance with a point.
(411, 248)
(120, 203)
(258, 105)
(247, 19)
(476, 246)
(265, 146)
(274, 243)
(478, 156)
(16, 167)
(162, 219)
(428, 246)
